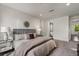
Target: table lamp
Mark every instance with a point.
(4, 31)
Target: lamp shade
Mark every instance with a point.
(38, 31)
(4, 29)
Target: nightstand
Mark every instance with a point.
(6, 46)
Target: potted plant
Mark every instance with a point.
(76, 27)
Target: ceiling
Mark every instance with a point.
(46, 9)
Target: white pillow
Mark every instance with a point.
(19, 36)
(35, 35)
(26, 36)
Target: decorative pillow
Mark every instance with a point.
(31, 36)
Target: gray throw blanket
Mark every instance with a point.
(25, 47)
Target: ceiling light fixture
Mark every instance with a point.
(67, 4)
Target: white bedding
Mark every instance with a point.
(17, 43)
(44, 46)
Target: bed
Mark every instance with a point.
(34, 46)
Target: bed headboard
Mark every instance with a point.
(23, 31)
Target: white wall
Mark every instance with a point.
(15, 19)
(60, 28)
